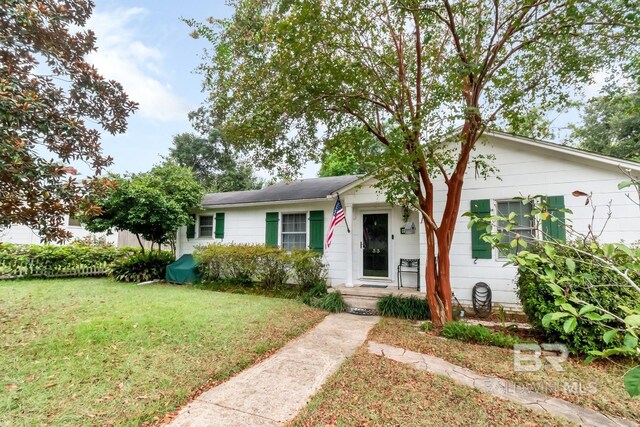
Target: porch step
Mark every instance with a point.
(358, 301)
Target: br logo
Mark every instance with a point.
(529, 357)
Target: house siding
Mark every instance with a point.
(526, 172)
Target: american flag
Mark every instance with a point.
(338, 216)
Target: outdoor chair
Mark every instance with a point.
(409, 265)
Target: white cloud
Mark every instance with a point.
(121, 56)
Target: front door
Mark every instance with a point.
(375, 245)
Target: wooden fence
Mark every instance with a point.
(33, 268)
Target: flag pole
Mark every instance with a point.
(345, 214)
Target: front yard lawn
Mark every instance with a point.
(96, 352)
(597, 385)
(373, 391)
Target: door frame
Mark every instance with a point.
(390, 244)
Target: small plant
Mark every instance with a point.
(332, 302)
(426, 326)
(404, 307)
(478, 334)
(142, 267)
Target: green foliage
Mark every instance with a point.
(271, 267)
(632, 381)
(308, 268)
(478, 334)
(426, 326)
(152, 205)
(142, 267)
(53, 107)
(352, 152)
(332, 302)
(216, 165)
(611, 123)
(48, 260)
(547, 273)
(404, 307)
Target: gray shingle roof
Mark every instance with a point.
(304, 189)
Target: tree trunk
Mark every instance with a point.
(140, 243)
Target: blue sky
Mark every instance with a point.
(145, 46)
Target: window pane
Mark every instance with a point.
(294, 231)
(523, 225)
(294, 223)
(206, 220)
(206, 226)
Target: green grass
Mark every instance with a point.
(373, 391)
(95, 352)
(478, 334)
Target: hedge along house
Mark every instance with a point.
(298, 214)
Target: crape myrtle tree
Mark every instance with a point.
(48, 94)
(425, 78)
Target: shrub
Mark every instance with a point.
(538, 300)
(311, 295)
(308, 268)
(404, 307)
(478, 334)
(272, 267)
(53, 260)
(332, 302)
(142, 267)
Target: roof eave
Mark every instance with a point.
(266, 203)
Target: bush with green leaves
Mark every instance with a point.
(404, 307)
(142, 267)
(308, 268)
(268, 266)
(592, 282)
(51, 260)
(478, 334)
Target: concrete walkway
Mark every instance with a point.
(498, 387)
(275, 390)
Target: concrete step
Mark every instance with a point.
(360, 302)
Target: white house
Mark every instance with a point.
(23, 235)
(298, 214)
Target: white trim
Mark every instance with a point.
(306, 232)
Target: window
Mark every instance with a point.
(524, 224)
(206, 226)
(74, 222)
(294, 231)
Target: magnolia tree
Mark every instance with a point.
(425, 78)
(48, 93)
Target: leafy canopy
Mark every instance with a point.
(152, 205)
(611, 123)
(47, 94)
(217, 166)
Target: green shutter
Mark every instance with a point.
(555, 229)
(219, 225)
(479, 248)
(316, 231)
(191, 228)
(271, 235)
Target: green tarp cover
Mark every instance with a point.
(183, 270)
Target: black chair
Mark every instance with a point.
(409, 265)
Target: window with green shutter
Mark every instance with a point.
(191, 228)
(219, 233)
(479, 248)
(316, 231)
(271, 234)
(555, 229)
